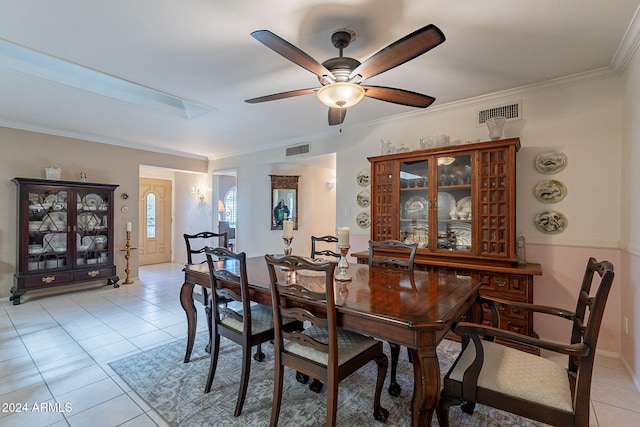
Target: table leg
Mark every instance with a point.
(426, 386)
(189, 307)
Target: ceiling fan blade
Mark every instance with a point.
(281, 95)
(400, 51)
(336, 116)
(398, 96)
(292, 53)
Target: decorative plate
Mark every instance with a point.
(55, 242)
(92, 201)
(464, 204)
(363, 199)
(88, 220)
(446, 203)
(550, 162)
(363, 178)
(363, 220)
(58, 216)
(462, 231)
(51, 199)
(88, 242)
(416, 207)
(551, 222)
(550, 191)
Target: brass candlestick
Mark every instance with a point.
(287, 244)
(127, 249)
(343, 265)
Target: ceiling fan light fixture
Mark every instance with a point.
(340, 95)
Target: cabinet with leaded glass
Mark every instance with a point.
(65, 234)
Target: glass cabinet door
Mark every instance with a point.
(48, 229)
(414, 202)
(454, 203)
(92, 227)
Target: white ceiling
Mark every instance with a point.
(201, 51)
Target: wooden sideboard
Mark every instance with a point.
(458, 203)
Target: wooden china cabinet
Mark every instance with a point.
(458, 204)
(65, 234)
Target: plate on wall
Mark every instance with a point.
(550, 162)
(363, 178)
(363, 220)
(551, 222)
(363, 199)
(550, 191)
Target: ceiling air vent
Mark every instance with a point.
(508, 111)
(298, 149)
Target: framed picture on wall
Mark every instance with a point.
(284, 200)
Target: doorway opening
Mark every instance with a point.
(225, 191)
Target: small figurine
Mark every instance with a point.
(83, 176)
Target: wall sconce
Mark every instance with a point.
(221, 212)
(195, 192)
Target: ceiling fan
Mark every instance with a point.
(341, 77)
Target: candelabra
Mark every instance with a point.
(287, 244)
(343, 265)
(127, 249)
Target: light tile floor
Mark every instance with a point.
(55, 348)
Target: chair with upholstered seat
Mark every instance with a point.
(393, 254)
(240, 321)
(507, 378)
(323, 252)
(323, 350)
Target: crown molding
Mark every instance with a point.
(628, 45)
(93, 138)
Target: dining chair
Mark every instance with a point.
(196, 245)
(324, 252)
(240, 321)
(323, 350)
(393, 254)
(523, 383)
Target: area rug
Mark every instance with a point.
(175, 391)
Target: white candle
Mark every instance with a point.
(343, 236)
(287, 227)
(128, 226)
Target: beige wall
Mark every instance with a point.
(26, 154)
(582, 118)
(630, 208)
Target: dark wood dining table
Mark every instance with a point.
(413, 309)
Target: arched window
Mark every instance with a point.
(151, 215)
(230, 206)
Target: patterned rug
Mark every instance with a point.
(175, 391)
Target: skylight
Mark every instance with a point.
(20, 59)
